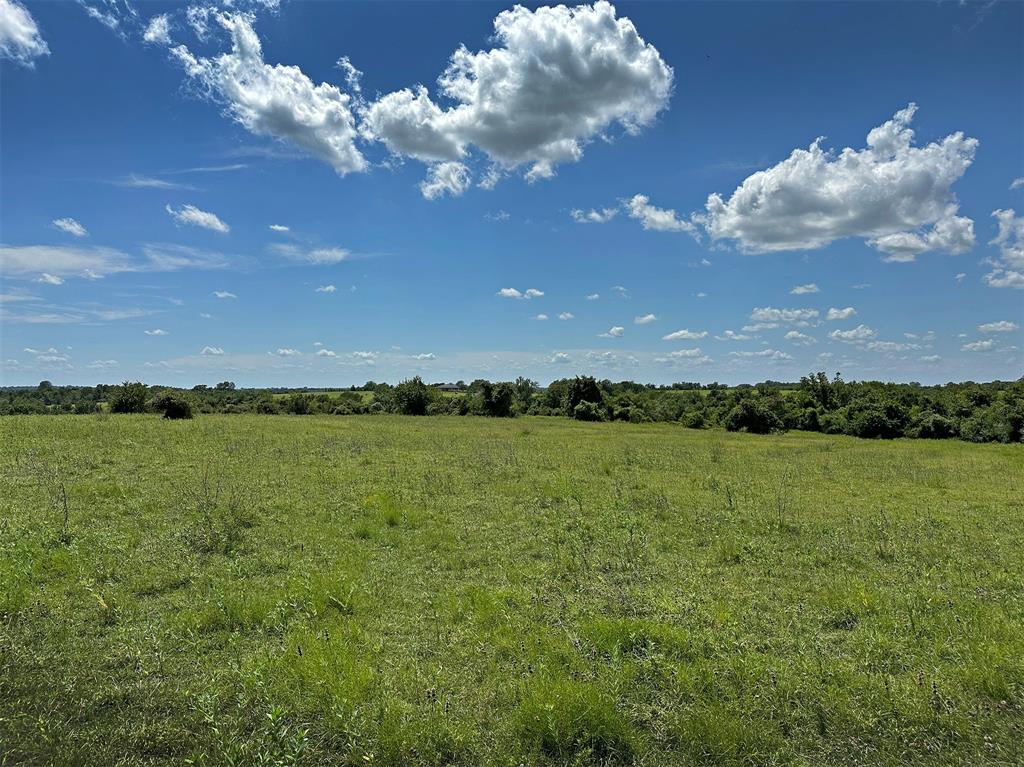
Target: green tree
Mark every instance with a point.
(129, 398)
(753, 415)
(582, 389)
(524, 391)
(412, 397)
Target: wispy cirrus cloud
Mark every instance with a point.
(20, 39)
(193, 216)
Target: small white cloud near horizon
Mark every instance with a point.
(287, 352)
(424, 357)
(644, 319)
(593, 296)
(593, 216)
(840, 314)
(326, 289)
(326, 353)
(70, 226)
(224, 294)
(49, 279)
(566, 316)
(1002, 326)
(770, 354)
(730, 335)
(212, 351)
(615, 331)
(685, 335)
(979, 346)
(800, 338)
(193, 216)
(800, 290)
(1017, 183)
(156, 332)
(855, 335)
(769, 314)
(514, 293)
(540, 317)
(279, 228)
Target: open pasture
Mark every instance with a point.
(387, 590)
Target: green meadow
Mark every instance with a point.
(390, 590)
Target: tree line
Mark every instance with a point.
(976, 412)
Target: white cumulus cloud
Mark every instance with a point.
(892, 193)
(800, 290)
(593, 216)
(156, 332)
(451, 178)
(615, 331)
(979, 346)
(658, 219)
(1008, 270)
(858, 334)
(768, 314)
(224, 294)
(685, 335)
(325, 289)
(276, 100)
(558, 78)
(1003, 326)
(840, 314)
(644, 319)
(800, 338)
(212, 351)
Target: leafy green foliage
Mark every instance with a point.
(990, 412)
(129, 398)
(411, 397)
(173, 406)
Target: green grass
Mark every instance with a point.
(461, 591)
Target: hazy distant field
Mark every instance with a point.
(429, 591)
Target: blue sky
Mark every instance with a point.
(148, 149)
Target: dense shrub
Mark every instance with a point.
(129, 398)
(753, 416)
(929, 425)
(497, 399)
(588, 411)
(173, 406)
(582, 389)
(298, 404)
(411, 397)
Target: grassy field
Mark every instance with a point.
(270, 590)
